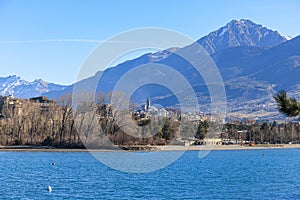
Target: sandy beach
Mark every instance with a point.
(227, 147)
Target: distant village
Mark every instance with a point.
(147, 111)
(41, 121)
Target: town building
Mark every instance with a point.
(10, 103)
(151, 111)
(43, 102)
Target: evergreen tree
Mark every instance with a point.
(202, 130)
(288, 106)
(167, 130)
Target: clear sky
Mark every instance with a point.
(50, 39)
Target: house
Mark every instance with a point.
(211, 141)
(10, 103)
(43, 102)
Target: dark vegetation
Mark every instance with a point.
(287, 105)
(263, 132)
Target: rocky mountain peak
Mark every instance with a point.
(242, 32)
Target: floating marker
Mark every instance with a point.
(49, 189)
(53, 163)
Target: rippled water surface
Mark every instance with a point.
(252, 174)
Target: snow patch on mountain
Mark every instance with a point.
(20, 88)
(288, 37)
(160, 55)
(223, 31)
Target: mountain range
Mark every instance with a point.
(18, 87)
(253, 60)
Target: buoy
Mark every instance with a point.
(53, 163)
(49, 189)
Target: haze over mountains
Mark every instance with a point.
(254, 63)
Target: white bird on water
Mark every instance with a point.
(49, 189)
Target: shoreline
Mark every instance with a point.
(229, 147)
(152, 148)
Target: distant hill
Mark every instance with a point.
(279, 65)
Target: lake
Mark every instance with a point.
(236, 174)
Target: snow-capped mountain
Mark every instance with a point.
(20, 88)
(254, 62)
(241, 33)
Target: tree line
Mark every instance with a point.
(262, 133)
(62, 125)
(50, 125)
(274, 133)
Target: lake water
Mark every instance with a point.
(252, 174)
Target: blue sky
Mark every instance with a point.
(50, 39)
